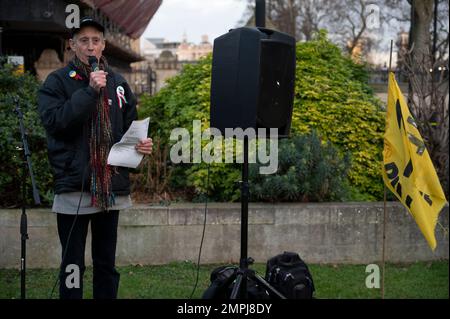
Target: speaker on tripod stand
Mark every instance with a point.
(252, 80)
(252, 86)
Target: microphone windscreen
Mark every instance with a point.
(93, 63)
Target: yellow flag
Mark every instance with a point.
(407, 168)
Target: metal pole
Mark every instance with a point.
(383, 259)
(383, 254)
(390, 57)
(244, 207)
(23, 219)
(260, 13)
(23, 234)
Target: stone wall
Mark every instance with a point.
(320, 233)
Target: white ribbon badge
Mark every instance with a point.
(121, 96)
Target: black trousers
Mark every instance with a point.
(104, 240)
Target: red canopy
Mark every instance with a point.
(132, 15)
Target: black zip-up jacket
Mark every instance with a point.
(66, 103)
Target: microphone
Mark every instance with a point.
(93, 63)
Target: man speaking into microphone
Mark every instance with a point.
(85, 108)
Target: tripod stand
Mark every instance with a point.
(37, 201)
(243, 273)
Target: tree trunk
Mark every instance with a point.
(420, 37)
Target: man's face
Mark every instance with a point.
(88, 41)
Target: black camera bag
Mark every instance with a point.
(290, 275)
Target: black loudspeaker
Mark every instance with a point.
(252, 80)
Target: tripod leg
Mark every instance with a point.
(239, 286)
(272, 291)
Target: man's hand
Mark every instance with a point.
(145, 146)
(98, 80)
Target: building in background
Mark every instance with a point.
(153, 47)
(189, 52)
(36, 30)
(168, 58)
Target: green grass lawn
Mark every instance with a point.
(428, 280)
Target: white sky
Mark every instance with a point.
(213, 18)
(195, 17)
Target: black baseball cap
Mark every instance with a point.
(88, 21)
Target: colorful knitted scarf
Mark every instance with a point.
(100, 142)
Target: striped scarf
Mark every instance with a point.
(100, 142)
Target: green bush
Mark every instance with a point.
(308, 171)
(24, 87)
(184, 99)
(332, 96)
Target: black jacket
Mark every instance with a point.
(66, 103)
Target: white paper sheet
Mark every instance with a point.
(124, 153)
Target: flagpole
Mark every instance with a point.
(390, 56)
(383, 263)
(383, 258)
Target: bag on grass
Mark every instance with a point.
(290, 275)
(221, 278)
